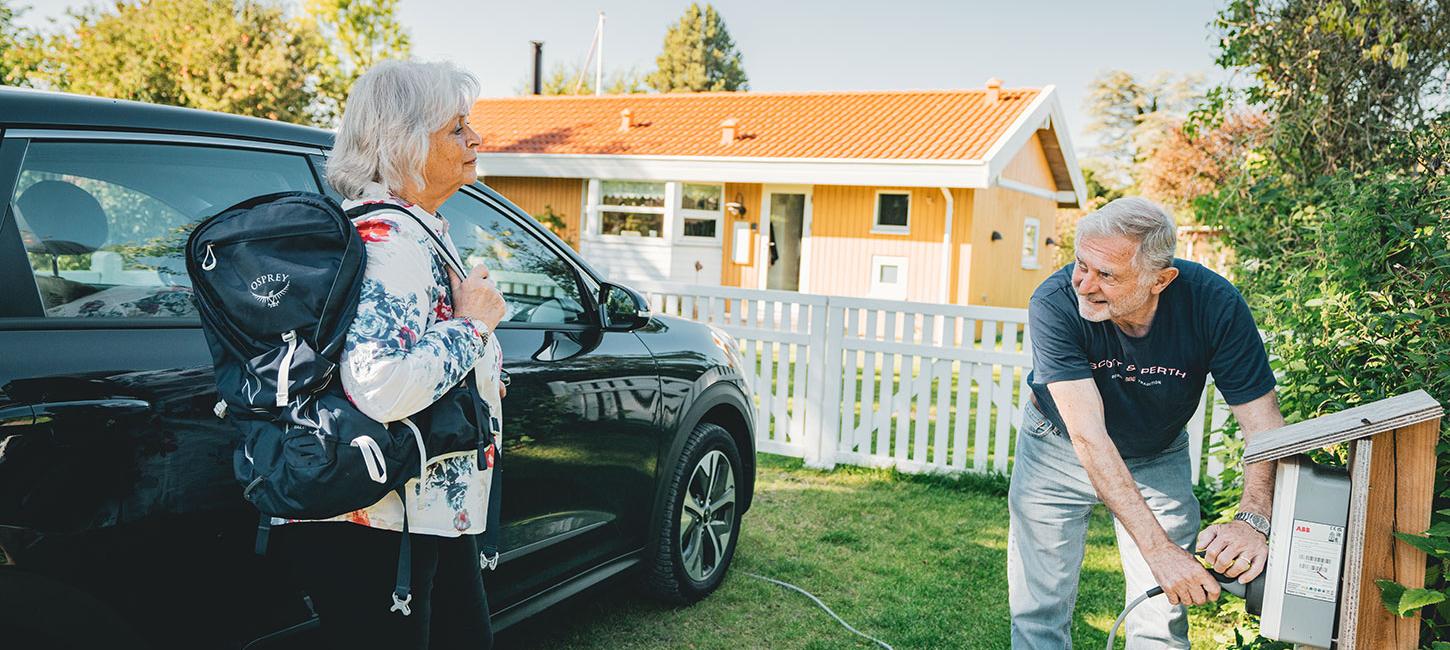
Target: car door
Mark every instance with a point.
(119, 477)
(581, 416)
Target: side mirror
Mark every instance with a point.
(623, 308)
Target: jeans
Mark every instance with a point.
(350, 570)
(1050, 501)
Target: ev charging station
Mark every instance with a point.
(1306, 551)
(1332, 532)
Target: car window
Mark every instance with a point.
(538, 284)
(105, 223)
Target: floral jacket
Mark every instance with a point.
(404, 351)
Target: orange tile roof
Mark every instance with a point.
(902, 125)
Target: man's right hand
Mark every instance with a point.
(476, 297)
(1182, 578)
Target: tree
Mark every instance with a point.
(699, 55)
(1340, 218)
(14, 66)
(1341, 80)
(574, 80)
(348, 37)
(1187, 163)
(233, 56)
(1130, 117)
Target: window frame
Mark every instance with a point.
(1032, 262)
(878, 228)
(29, 314)
(895, 291)
(597, 208)
(717, 215)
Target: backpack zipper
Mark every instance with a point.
(285, 368)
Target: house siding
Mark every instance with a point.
(996, 275)
(1030, 166)
(732, 274)
(962, 240)
(842, 243)
(564, 195)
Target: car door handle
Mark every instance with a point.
(75, 422)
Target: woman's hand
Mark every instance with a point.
(476, 297)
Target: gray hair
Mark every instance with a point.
(1138, 220)
(391, 112)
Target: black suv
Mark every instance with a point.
(628, 436)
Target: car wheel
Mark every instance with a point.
(701, 519)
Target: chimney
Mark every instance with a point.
(538, 66)
(994, 90)
(624, 120)
(728, 130)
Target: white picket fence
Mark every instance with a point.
(882, 383)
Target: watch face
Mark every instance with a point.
(1255, 520)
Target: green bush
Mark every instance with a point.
(1350, 273)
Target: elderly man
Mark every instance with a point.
(1123, 340)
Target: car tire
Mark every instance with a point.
(700, 523)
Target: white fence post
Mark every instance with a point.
(823, 381)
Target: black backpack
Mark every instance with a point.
(276, 280)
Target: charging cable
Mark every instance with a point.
(1113, 633)
(1229, 586)
(843, 623)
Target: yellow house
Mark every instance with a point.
(933, 196)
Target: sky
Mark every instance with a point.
(792, 45)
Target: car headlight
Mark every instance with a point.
(728, 345)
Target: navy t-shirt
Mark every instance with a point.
(1150, 385)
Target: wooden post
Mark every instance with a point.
(1399, 497)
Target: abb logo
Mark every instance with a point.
(1302, 529)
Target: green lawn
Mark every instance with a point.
(919, 562)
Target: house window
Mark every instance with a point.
(1031, 230)
(700, 207)
(632, 208)
(892, 212)
(888, 277)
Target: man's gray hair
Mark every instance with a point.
(391, 112)
(1138, 220)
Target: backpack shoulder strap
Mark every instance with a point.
(437, 242)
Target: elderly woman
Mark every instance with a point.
(419, 330)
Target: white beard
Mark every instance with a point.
(1097, 313)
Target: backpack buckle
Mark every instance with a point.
(401, 604)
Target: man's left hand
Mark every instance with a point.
(1234, 549)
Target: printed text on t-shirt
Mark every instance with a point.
(1132, 372)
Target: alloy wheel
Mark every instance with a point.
(707, 518)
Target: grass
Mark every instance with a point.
(917, 561)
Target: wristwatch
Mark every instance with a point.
(1255, 521)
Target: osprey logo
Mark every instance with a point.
(251, 386)
(269, 288)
